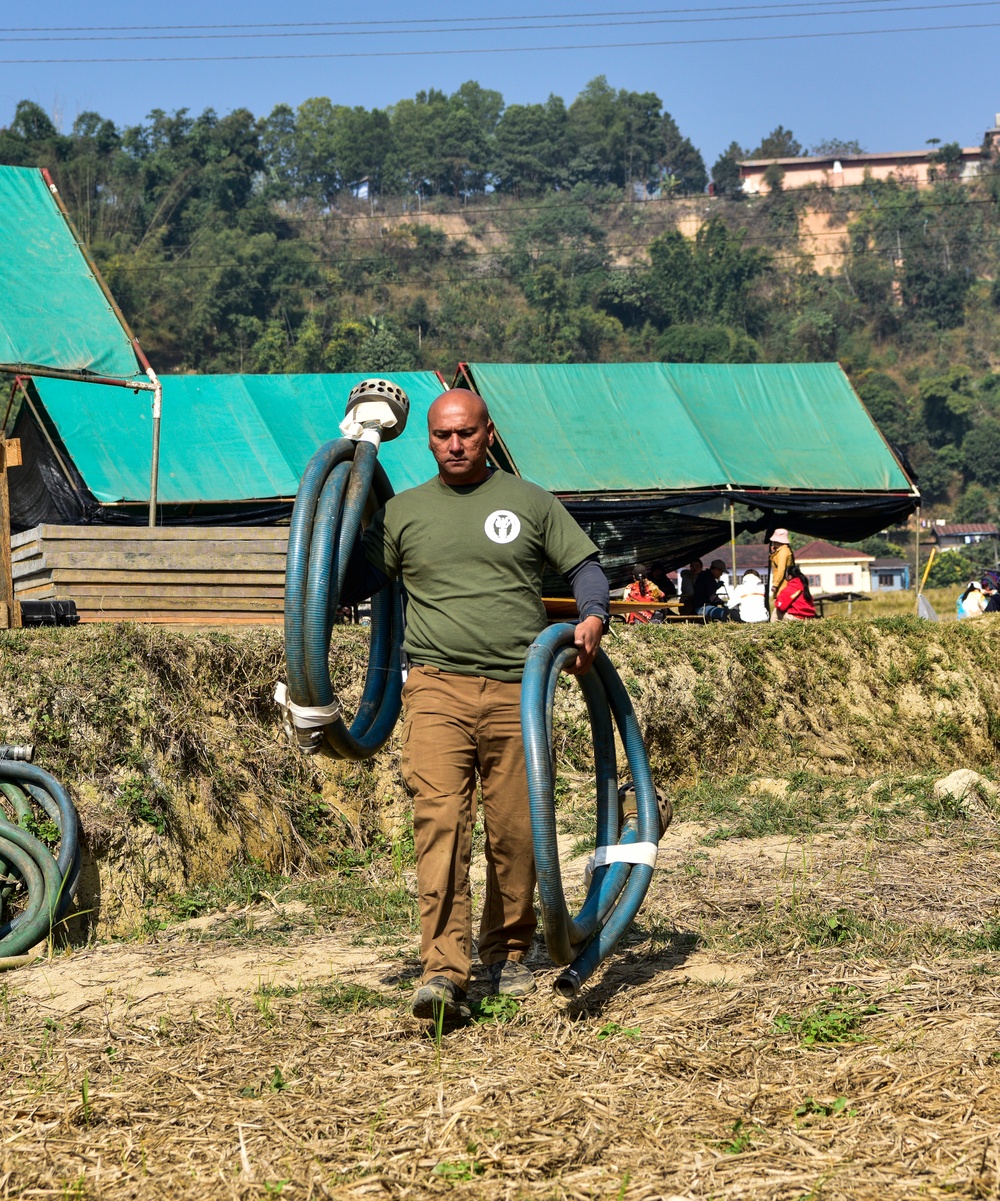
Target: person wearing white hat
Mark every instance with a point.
(780, 559)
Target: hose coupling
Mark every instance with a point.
(305, 725)
(24, 754)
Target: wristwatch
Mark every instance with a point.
(605, 620)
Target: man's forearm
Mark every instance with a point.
(590, 589)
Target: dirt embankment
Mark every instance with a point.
(171, 746)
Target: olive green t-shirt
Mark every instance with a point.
(471, 560)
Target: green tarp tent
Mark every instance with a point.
(636, 450)
(229, 443)
(53, 310)
(677, 427)
(643, 452)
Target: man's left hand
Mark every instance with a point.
(587, 639)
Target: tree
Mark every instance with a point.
(981, 452)
(948, 161)
(705, 344)
(682, 168)
(779, 143)
(837, 148)
(885, 401)
(948, 402)
(280, 148)
(708, 280)
(531, 147)
(950, 569)
(620, 138)
(362, 144)
(316, 149)
(976, 504)
(726, 171)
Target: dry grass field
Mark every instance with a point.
(808, 1006)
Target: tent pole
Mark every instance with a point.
(13, 619)
(732, 537)
(916, 565)
(154, 465)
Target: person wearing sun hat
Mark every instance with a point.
(780, 558)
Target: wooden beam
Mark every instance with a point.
(172, 533)
(12, 615)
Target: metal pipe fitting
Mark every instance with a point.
(23, 754)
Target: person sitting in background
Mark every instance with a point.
(642, 588)
(748, 599)
(972, 602)
(991, 579)
(709, 598)
(795, 601)
(663, 579)
(688, 580)
(780, 558)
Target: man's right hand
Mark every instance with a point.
(587, 638)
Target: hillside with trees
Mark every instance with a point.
(338, 238)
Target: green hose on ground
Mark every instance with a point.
(28, 869)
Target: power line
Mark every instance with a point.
(379, 260)
(432, 21)
(442, 52)
(720, 210)
(617, 23)
(661, 222)
(466, 211)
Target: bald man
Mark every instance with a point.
(470, 546)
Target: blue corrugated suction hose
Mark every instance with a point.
(341, 480)
(48, 880)
(617, 889)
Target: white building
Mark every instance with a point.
(830, 568)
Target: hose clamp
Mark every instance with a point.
(307, 720)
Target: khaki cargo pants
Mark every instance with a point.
(456, 726)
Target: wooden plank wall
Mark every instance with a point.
(188, 575)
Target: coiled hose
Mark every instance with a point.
(623, 864)
(340, 479)
(26, 862)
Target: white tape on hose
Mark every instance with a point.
(631, 852)
(305, 717)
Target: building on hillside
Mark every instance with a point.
(956, 537)
(830, 568)
(916, 167)
(889, 575)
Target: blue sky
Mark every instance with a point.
(889, 91)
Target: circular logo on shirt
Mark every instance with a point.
(502, 526)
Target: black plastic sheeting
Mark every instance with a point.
(46, 491)
(652, 531)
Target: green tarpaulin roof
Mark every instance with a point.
(644, 427)
(224, 437)
(53, 312)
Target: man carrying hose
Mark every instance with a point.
(470, 546)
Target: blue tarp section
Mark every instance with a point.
(224, 438)
(53, 312)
